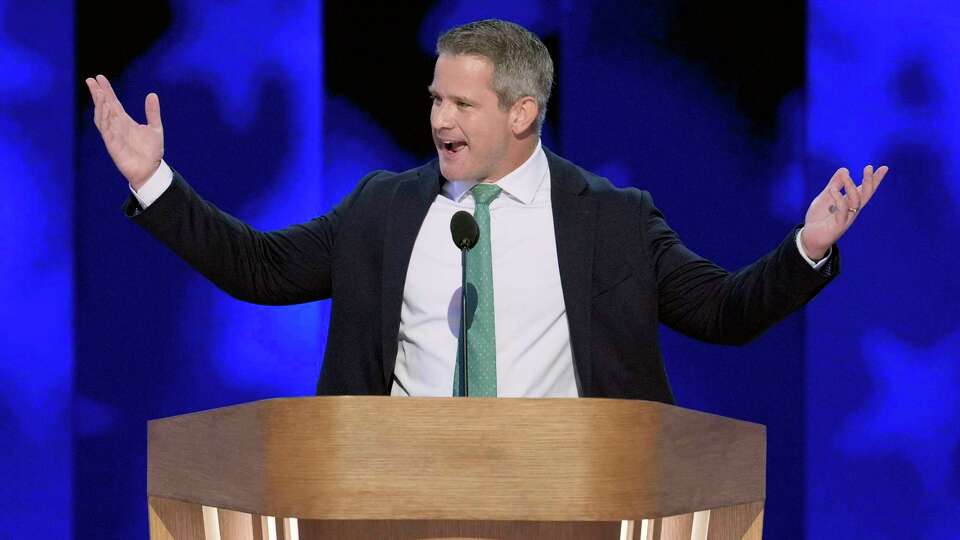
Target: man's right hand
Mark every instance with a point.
(136, 149)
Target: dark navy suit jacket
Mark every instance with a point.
(623, 271)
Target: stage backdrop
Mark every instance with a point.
(732, 115)
(883, 345)
(36, 267)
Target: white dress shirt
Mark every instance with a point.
(534, 357)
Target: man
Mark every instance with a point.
(572, 275)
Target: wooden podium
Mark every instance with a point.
(382, 467)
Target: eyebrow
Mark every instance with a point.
(433, 92)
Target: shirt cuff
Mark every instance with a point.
(154, 187)
(813, 264)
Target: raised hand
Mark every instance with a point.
(136, 149)
(836, 208)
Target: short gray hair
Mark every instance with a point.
(521, 63)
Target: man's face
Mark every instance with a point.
(471, 133)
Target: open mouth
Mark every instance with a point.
(453, 147)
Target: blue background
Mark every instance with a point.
(734, 117)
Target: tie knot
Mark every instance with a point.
(484, 193)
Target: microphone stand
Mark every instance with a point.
(463, 322)
(465, 234)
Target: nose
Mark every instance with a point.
(441, 116)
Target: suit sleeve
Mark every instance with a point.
(700, 299)
(288, 266)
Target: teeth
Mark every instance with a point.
(452, 145)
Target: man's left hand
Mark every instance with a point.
(836, 208)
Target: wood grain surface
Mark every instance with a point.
(174, 520)
(383, 458)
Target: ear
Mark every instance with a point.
(523, 114)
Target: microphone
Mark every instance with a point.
(465, 232)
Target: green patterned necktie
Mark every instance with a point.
(482, 345)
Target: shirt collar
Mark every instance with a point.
(520, 184)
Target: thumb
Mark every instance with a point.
(152, 108)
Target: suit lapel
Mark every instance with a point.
(575, 226)
(410, 203)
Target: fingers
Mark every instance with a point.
(845, 205)
(152, 109)
(94, 89)
(867, 186)
(851, 193)
(107, 88)
(836, 181)
(839, 208)
(112, 108)
(871, 180)
(102, 108)
(877, 177)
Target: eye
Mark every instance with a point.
(463, 104)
